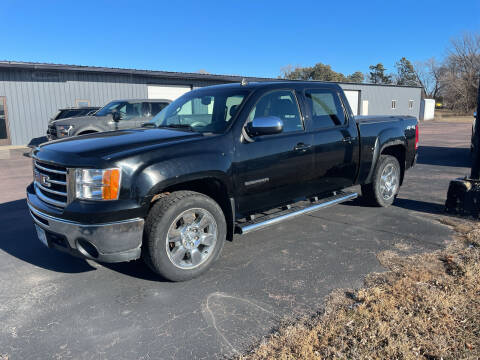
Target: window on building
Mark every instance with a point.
(82, 103)
(394, 104)
(410, 104)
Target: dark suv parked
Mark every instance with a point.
(117, 114)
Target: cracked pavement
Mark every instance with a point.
(56, 306)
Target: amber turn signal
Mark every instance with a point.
(111, 184)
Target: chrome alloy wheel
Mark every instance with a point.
(191, 238)
(389, 181)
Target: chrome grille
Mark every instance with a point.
(51, 183)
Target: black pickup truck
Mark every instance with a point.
(218, 160)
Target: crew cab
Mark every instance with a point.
(116, 115)
(218, 160)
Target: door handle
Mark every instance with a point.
(347, 139)
(302, 147)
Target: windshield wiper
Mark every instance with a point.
(177, 126)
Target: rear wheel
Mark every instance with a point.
(385, 184)
(184, 235)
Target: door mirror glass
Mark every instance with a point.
(116, 116)
(267, 125)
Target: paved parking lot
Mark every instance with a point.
(56, 306)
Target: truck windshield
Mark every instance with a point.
(111, 106)
(205, 110)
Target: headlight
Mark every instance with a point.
(97, 184)
(64, 130)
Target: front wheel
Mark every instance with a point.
(184, 234)
(385, 184)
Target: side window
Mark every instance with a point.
(129, 111)
(157, 107)
(146, 109)
(282, 104)
(326, 108)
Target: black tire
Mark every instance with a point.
(162, 216)
(372, 193)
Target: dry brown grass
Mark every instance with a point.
(427, 306)
(449, 116)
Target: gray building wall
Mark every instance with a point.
(380, 99)
(34, 96)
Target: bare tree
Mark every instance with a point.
(429, 74)
(459, 80)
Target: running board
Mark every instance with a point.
(291, 212)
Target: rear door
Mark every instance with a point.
(335, 139)
(273, 169)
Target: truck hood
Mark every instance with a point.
(78, 120)
(88, 149)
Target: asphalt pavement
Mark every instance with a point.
(56, 306)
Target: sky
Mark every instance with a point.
(249, 38)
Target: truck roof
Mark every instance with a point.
(143, 100)
(274, 85)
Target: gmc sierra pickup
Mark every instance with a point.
(218, 160)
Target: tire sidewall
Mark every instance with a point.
(159, 260)
(384, 161)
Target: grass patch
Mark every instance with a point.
(427, 306)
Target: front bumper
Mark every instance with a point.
(107, 242)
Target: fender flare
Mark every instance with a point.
(384, 140)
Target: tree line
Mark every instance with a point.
(452, 80)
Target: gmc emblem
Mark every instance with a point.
(43, 180)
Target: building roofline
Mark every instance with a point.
(386, 85)
(150, 73)
(5, 64)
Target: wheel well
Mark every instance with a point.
(397, 151)
(214, 189)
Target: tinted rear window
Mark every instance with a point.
(326, 108)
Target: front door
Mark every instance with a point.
(273, 169)
(4, 131)
(130, 116)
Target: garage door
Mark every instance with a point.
(170, 92)
(352, 97)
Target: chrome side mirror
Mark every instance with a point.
(267, 125)
(116, 116)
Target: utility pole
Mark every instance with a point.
(463, 196)
(475, 174)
